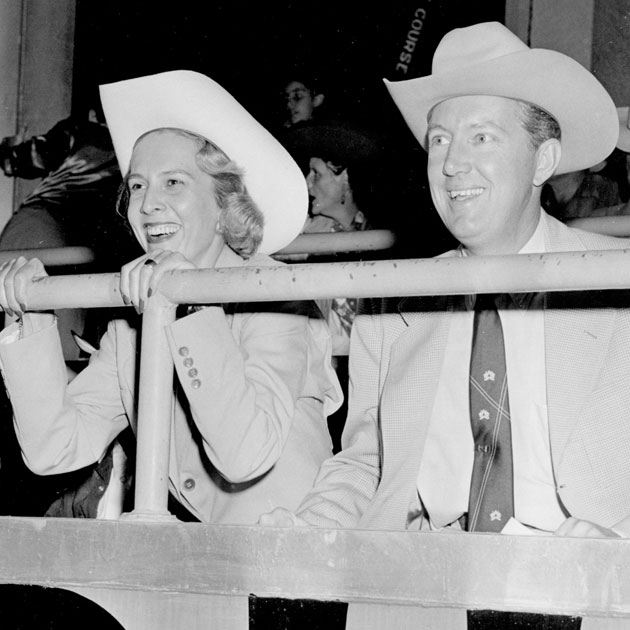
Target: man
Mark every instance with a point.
(424, 425)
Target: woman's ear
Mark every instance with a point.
(547, 159)
(318, 99)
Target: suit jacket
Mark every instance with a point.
(249, 427)
(396, 357)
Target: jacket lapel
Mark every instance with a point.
(414, 369)
(577, 334)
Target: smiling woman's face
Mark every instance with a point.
(172, 204)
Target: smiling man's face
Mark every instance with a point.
(481, 171)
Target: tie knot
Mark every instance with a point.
(486, 301)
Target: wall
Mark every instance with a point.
(594, 32)
(611, 48)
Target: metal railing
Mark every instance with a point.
(610, 225)
(331, 242)
(407, 572)
(53, 256)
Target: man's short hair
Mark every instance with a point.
(539, 124)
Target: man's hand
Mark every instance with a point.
(281, 518)
(584, 529)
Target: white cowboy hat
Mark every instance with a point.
(191, 101)
(488, 59)
(623, 141)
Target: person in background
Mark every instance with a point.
(584, 193)
(72, 205)
(600, 191)
(204, 186)
(303, 98)
(344, 166)
(623, 144)
(501, 413)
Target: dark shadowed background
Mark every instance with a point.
(250, 47)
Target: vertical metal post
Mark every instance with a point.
(155, 403)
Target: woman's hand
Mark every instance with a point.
(281, 517)
(15, 277)
(140, 278)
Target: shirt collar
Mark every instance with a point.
(535, 245)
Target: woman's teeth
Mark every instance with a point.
(161, 230)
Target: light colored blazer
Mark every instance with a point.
(396, 357)
(247, 437)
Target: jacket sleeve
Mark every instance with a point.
(243, 384)
(61, 427)
(347, 482)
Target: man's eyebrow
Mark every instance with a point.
(434, 126)
(480, 124)
(487, 123)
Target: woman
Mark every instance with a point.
(343, 164)
(255, 382)
(344, 174)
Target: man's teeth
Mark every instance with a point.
(464, 194)
(161, 230)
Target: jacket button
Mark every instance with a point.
(196, 384)
(189, 484)
(193, 372)
(188, 362)
(183, 351)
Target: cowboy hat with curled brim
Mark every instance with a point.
(488, 59)
(191, 101)
(623, 142)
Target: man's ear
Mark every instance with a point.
(318, 99)
(547, 159)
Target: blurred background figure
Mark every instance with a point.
(343, 165)
(303, 95)
(623, 143)
(603, 190)
(344, 170)
(72, 205)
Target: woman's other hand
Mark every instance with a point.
(281, 517)
(140, 278)
(15, 277)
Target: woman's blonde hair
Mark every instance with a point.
(242, 222)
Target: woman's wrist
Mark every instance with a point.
(33, 322)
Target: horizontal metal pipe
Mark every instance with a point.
(332, 242)
(422, 276)
(612, 226)
(52, 256)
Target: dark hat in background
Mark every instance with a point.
(335, 141)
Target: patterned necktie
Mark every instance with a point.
(491, 501)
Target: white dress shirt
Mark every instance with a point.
(446, 465)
